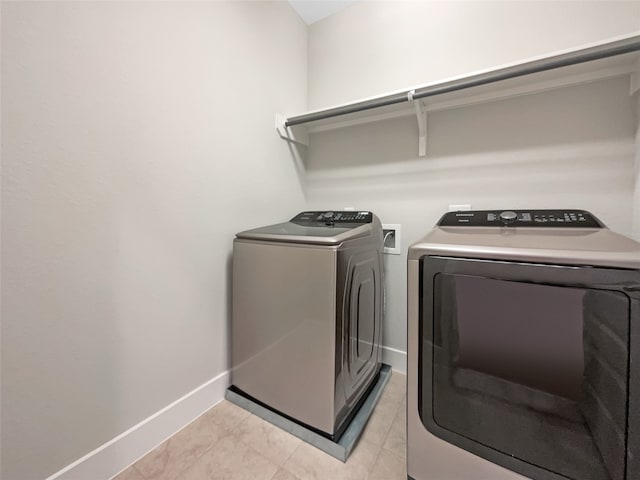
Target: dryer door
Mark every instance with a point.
(532, 365)
(362, 311)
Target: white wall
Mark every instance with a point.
(137, 139)
(569, 148)
(374, 47)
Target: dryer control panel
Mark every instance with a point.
(329, 217)
(521, 218)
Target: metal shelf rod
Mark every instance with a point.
(346, 109)
(619, 47)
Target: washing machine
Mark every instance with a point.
(307, 313)
(523, 349)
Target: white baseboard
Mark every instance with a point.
(117, 454)
(397, 359)
(109, 459)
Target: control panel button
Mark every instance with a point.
(508, 217)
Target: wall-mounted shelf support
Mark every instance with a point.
(290, 134)
(421, 114)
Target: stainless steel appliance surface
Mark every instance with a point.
(307, 313)
(523, 348)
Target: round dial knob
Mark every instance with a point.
(508, 217)
(328, 215)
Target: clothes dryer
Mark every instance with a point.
(523, 349)
(307, 313)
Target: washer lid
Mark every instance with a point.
(315, 227)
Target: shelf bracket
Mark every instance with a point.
(421, 115)
(291, 134)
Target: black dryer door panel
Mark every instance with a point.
(528, 365)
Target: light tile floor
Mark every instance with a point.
(230, 443)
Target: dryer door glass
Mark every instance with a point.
(534, 370)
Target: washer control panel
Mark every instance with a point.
(330, 217)
(521, 218)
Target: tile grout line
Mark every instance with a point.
(227, 433)
(391, 452)
(245, 445)
(401, 405)
(293, 451)
(375, 464)
(195, 460)
(278, 429)
(395, 418)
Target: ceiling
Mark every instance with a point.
(313, 10)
